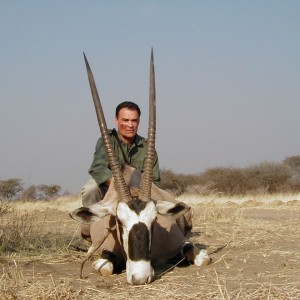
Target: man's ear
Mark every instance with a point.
(88, 215)
(172, 209)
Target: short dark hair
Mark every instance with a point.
(128, 104)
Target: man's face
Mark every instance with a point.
(128, 122)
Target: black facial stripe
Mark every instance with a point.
(137, 205)
(176, 209)
(138, 243)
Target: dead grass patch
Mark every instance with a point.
(255, 254)
(295, 203)
(5, 206)
(14, 284)
(261, 199)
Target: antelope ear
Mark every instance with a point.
(88, 215)
(172, 209)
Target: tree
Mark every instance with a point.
(176, 183)
(293, 162)
(10, 188)
(49, 191)
(29, 193)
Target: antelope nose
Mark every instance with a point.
(136, 280)
(139, 272)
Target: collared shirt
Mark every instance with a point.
(134, 155)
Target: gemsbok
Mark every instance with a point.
(137, 225)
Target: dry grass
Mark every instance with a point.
(16, 285)
(254, 245)
(261, 199)
(65, 203)
(5, 206)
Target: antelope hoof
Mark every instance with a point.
(104, 267)
(202, 259)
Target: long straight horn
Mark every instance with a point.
(145, 188)
(121, 187)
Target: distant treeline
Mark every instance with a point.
(13, 189)
(266, 177)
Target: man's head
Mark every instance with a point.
(127, 120)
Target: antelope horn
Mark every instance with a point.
(147, 178)
(120, 185)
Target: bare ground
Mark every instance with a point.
(255, 251)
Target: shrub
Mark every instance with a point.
(227, 181)
(176, 183)
(10, 188)
(293, 162)
(29, 193)
(49, 191)
(40, 192)
(269, 177)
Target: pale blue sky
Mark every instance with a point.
(227, 80)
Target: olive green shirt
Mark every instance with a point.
(135, 156)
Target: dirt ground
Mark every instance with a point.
(255, 251)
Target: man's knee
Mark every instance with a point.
(90, 193)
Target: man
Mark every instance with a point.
(129, 147)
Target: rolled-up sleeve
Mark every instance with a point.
(99, 169)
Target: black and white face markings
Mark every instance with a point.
(135, 220)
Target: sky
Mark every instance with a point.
(227, 82)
